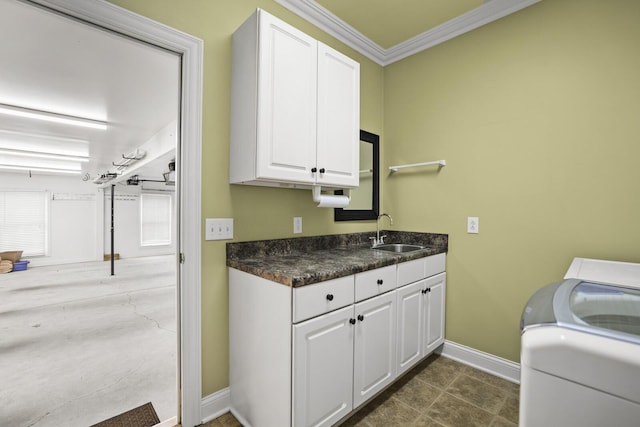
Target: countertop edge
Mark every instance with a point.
(310, 266)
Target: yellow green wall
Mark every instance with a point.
(259, 213)
(538, 117)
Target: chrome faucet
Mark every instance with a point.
(379, 240)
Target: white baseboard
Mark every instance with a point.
(215, 405)
(218, 403)
(494, 365)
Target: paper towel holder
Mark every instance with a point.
(318, 197)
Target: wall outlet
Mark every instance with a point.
(297, 224)
(218, 228)
(473, 225)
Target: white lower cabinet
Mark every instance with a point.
(421, 310)
(410, 305)
(433, 313)
(374, 354)
(348, 339)
(341, 359)
(323, 368)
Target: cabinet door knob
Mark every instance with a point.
(380, 281)
(424, 291)
(321, 170)
(360, 317)
(352, 321)
(330, 297)
(314, 170)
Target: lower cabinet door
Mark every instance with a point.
(410, 301)
(374, 346)
(434, 312)
(323, 368)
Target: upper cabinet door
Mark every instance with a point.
(287, 100)
(338, 130)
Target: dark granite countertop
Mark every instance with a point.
(306, 260)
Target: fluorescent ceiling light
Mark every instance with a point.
(45, 144)
(31, 162)
(51, 117)
(43, 170)
(37, 155)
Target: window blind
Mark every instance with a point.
(155, 219)
(24, 222)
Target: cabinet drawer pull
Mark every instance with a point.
(380, 281)
(352, 321)
(329, 297)
(360, 317)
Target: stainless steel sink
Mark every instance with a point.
(398, 247)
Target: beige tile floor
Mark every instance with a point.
(439, 392)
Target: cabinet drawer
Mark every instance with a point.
(434, 264)
(411, 271)
(375, 282)
(323, 297)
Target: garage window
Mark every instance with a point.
(155, 219)
(24, 222)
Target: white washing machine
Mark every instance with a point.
(580, 357)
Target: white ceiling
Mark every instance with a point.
(53, 63)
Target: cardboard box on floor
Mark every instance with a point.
(12, 256)
(6, 266)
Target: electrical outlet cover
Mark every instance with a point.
(473, 225)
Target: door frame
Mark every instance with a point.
(119, 20)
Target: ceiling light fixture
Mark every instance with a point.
(51, 117)
(37, 155)
(37, 169)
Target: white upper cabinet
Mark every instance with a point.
(295, 108)
(338, 149)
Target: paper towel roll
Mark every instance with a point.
(327, 201)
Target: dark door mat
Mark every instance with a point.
(142, 416)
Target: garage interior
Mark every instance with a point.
(88, 142)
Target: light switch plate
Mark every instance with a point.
(219, 228)
(297, 224)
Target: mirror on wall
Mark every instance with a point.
(364, 199)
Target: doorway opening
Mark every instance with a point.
(186, 236)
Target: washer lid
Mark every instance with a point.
(602, 309)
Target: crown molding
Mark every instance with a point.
(490, 11)
(331, 24)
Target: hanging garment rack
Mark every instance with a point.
(440, 163)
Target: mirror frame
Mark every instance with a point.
(354, 215)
